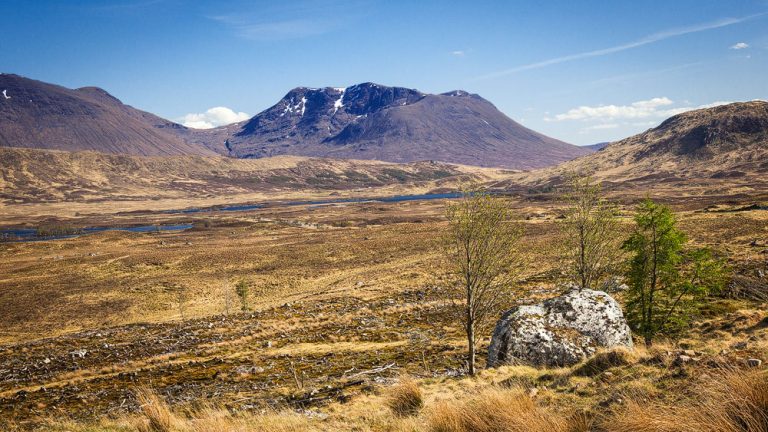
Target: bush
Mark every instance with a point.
(405, 398)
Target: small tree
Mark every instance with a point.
(181, 300)
(482, 261)
(591, 246)
(667, 284)
(243, 291)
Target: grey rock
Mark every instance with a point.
(615, 284)
(560, 331)
(753, 362)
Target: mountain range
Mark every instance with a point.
(364, 121)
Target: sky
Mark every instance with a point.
(583, 72)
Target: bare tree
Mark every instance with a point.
(592, 243)
(482, 259)
(182, 297)
(243, 291)
(227, 294)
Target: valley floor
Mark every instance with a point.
(345, 299)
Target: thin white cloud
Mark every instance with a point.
(277, 21)
(740, 46)
(278, 30)
(214, 117)
(652, 38)
(458, 53)
(658, 108)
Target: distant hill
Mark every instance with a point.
(33, 175)
(370, 121)
(727, 141)
(598, 146)
(39, 115)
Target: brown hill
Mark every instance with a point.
(728, 141)
(33, 175)
(35, 114)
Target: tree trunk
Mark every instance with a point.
(648, 341)
(471, 348)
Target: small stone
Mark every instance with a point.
(682, 359)
(267, 344)
(753, 362)
(360, 284)
(739, 345)
(689, 353)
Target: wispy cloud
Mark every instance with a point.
(652, 38)
(216, 116)
(458, 53)
(740, 46)
(278, 30)
(296, 20)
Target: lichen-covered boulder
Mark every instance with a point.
(560, 331)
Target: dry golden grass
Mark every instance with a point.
(494, 410)
(157, 414)
(405, 398)
(604, 360)
(729, 401)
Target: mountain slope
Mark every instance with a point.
(727, 141)
(34, 175)
(370, 121)
(39, 115)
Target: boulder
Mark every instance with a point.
(561, 331)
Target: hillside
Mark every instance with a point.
(728, 142)
(32, 176)
(370, 121)
(35, 114)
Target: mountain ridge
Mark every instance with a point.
(363, 121)
(724, 141)
(35, 114)
(395, 124)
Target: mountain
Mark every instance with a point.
(364, 121)
(597, 147)
(724, 142)
(371, 121)
(41, 115)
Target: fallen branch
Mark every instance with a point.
(374, 370)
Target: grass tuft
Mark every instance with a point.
(494, 410)
(158, 415)
(730, 401)
(405, 398)
(604, 360)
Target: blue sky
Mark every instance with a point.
(583, 72)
